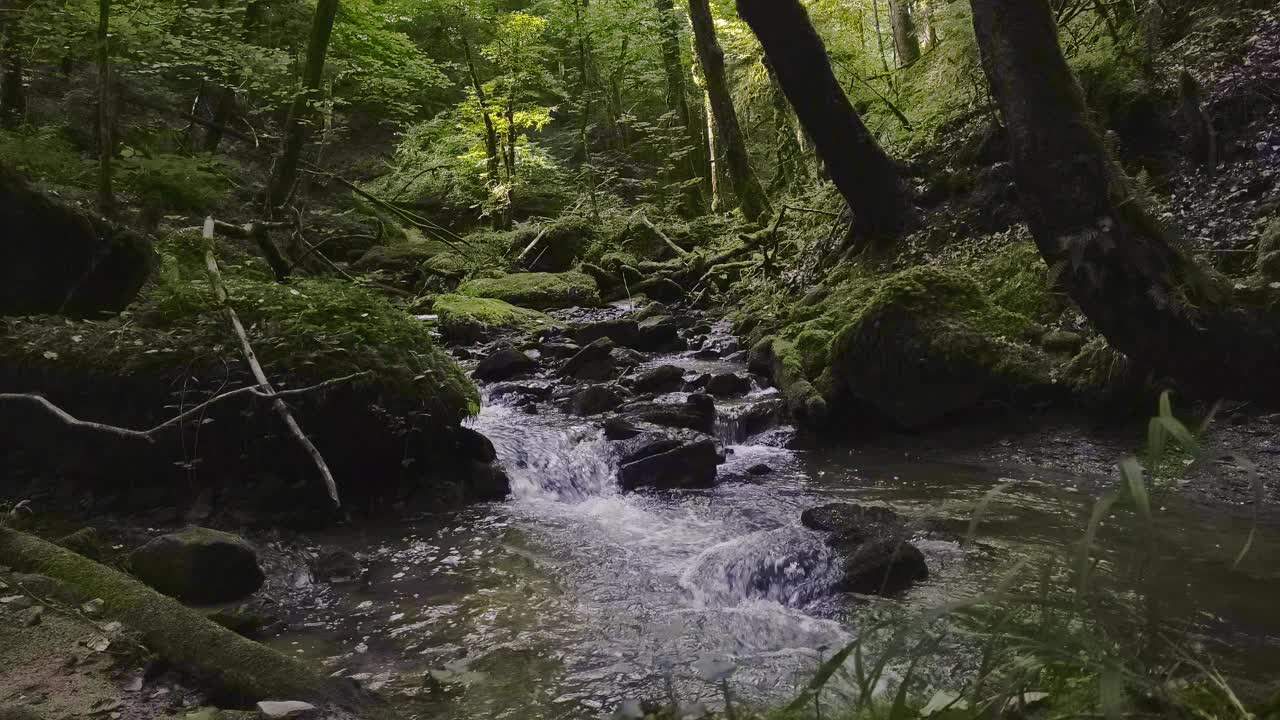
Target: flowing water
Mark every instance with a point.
(572, 597)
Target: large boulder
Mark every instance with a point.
(929, 343)
(596, 399)
(56, 259)
(673, 464)
(200, 566)
(698, 412)
(621, 331)
(661, 379)
(539, 291)
(660, 333)
(401, 263)
(463, 319)
(873, 543)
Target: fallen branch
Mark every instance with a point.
(43, 404)
(215, 278)
(257, 231)
(529, 248)
(643, 219)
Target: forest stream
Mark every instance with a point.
(573, 597)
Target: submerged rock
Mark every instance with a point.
(199, 565)
(873, 544)
(672, 464)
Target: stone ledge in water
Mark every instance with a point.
(684, 465)
(873, 542)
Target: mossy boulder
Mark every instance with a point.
(558, 249)
(780, 360)
(59, 259)
(539, 291)
(407, 263)
(199, 565)
(1016, 279)
(929, 343)
(466, 319)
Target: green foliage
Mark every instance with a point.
(1017, 280)
(174, 182)
(45, 154)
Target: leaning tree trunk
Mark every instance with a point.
(1148, 299)
(490, 133)
(864, 174)
(905, 39)
(689, 164)
(746, 185)
(106, 116)
(295, 132)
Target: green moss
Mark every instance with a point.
(308, 331)
(466, 319)
(1017, 280)
(46, 155)
(175, 182)
(1098, 371)
(181, 635)
(813, 346)
(929, 342)
(540, 291)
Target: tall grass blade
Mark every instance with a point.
(1111, 694)
(1174, 427)
(1156, 436)
(981, 510)
(1100, 510)
(1166, 404)
(1131, 473)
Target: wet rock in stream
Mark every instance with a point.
(593, 362)
(662, 379)
(504, 364)
(672, 464)
(698, 412)
(876, 557)
(596, 399)
(199, 565)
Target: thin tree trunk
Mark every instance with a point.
(905, 39)
(787, 154)
(688, 168)
(1148, 299)
(490, 134)
(106, 115)
(746, 185)
(295, 132)
(225, 106)
(864, 174)
(511, 137)
(714, 171)
(875, 13)
(13, 94)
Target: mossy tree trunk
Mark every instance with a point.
(864, 174)
(1148, 299)
(905, 39)
(295, 131)
(492, 161)
(746, 185)
(689, 163)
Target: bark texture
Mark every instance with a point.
(295, 134)
(905, 39)
(864, 174)
(490, 134)
(746, 185)
(13, 94)
(106, 112)
(1147, 298)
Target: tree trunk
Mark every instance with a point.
(295, 132)
(746, 185)
(714, 167)
(490, 134)
(225, 106)
(864, 174)
(1148, 299)
(688, 167)
(106, 116)
(13, 94)
(787, 154)
(905, 39)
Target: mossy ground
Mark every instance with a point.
(305, 332)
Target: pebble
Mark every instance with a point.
(33, 616)
(281, 710)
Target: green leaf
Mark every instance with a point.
(1100, 510)
(981, 510)
(1131, 473)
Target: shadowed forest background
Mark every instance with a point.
(639, 358)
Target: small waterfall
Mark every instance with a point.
(545, 461)
(788, 565)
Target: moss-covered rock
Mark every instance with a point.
(407, 263)
(1016, 279)
(780, 360)
(466, 319)
(173, 348)
(929, 343)
(1100, 375)
(539, 291)
(199, 565)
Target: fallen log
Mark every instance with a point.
(237, 666)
